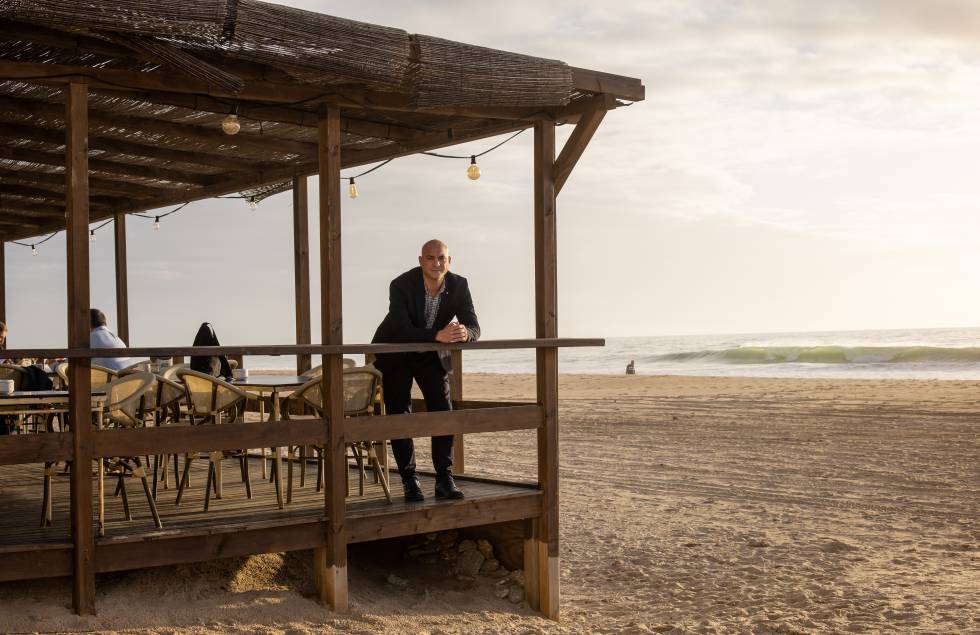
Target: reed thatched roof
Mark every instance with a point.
(163, 75)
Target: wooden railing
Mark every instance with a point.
(470, 417)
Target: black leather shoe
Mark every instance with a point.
(413, 491)
(446, 488)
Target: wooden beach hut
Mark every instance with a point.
(109, 109)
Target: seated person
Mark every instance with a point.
(102, 337)
(216, 365)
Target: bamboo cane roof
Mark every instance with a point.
(163, 74)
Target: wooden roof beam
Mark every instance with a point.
(578, 140)
(25, 155)
(57, 137)
(35, 210)
(96, 184)
(628, 88)
(28, 191)
(265, 142)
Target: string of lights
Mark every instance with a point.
(472, 172)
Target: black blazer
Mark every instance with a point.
(405, 321)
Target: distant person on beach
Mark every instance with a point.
(630, 368)
(424, 305)
(102, 337)
(214, 365)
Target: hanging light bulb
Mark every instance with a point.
(156, 224)
(252, 204)
(352, 189)
(230, 124)
(91, 235)
(473, 172)
(33, 250)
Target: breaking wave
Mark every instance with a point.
(827, 355)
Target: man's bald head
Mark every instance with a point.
(435, 261)
(435, 243)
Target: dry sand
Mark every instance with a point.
(687, 505)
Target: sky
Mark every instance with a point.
(796, 166)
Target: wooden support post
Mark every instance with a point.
(456, 394)
(3, 284)
(301, 268)
(542, 549)
(330, 562)
(122, 281)
(80, 380)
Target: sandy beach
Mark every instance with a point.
(688, 505)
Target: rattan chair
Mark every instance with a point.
(317, 371)
(213, 401)
(170, 372)
(362, 397)
(100, 375)
(124, 409)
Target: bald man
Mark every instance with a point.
(426, 304)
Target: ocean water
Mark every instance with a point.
(906, 353)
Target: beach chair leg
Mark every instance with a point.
(156, 472)
(176, 470)
(302, 466)
(218, 480)
(46, 497)
(121, 487)
(289, 475)
(245, 476)
(207, 488)
(277, 475)
(182, 482)
(376, 464)
(319, 468)
(362, 475)
(150, 499)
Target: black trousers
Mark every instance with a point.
(398, 371)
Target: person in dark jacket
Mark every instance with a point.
(216, 366)
(426, 304)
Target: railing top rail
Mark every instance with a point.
(300, 349)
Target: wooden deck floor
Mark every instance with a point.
(234, 524)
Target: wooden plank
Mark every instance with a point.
(80, 396)
(330, 561)
(122, 279)
(577, 141)
(36, 448)
(290, 535)
(29, 562)
(546, 326)
(620, 86)
(456, 394)
(3, 285)
(430, 424)
(292, 349)
(429, 517)
(301, 269)
(231, 436)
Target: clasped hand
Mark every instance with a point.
(453, 332)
